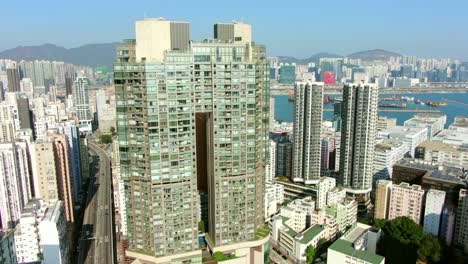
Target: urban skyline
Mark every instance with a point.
(426, 37)
(177, 150)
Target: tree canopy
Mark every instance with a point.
(403, 241)
(430, 249)
(310, 254)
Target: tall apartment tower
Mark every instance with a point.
(13, 80)
(382, 199)
(307, 132)
(14, 182)
(64, 173)
(68, 84)
(406, 200)
(358, 133)
(461, 225)
(81, 98)
(433, 211)
(192, 121)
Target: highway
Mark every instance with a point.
(97, 238)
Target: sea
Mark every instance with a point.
(284, 109)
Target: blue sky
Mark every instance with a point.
(296, 28)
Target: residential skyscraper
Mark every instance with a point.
(14, 184)
(81, 98)
(13, 80)
(382, 199)
(192, 118)
(307, 132)
(63, 170)
(406, 200)
(358, 133)
(68, 84)
(461, 225)
(433, 211)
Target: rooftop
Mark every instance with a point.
(347, 248)
(460, 121)
(310, 233)
(388, 145)
(452, 136)
(441, 146)
(437, 172)
(405, 131)
(355, 233)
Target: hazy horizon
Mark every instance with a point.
(300, 29)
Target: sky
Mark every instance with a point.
(424, 28)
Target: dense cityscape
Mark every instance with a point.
(215, 151)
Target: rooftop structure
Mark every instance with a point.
(357, 245)
(432, 121)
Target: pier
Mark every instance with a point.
(399, 111)
(454, 102)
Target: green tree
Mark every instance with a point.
(105, 139)
(310, 254)
(430, 249)
(201, 226)
(219, 256)
(112, 130)
(401, 239)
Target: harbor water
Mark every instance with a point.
(284, 109)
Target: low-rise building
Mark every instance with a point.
(432, 121)
(384, 123)
(292, 242)
(274, 195)
(451, 136)
(406, 200)
(357, 246)
(7, 247)
(441, 153)
(387, 153)
(324, 185)
(336, 195)
(412, 136)
(345, 213)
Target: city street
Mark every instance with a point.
(96, 241)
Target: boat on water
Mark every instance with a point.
(407, 98)
(436, 104)
(419, 102)
(393, 98)
(393, 105)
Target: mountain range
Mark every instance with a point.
(104, 54)
(86, 55)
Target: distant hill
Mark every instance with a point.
(314, 58)
(87, 55)
(372, 55)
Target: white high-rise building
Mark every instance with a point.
(433, 211)
(14, 182)
(81, 98)
(324, 185)
(9, 122)
(387, 153)
(27, 241)
(270, 168)
(53, 235)
(358, 133)
(307, 132)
